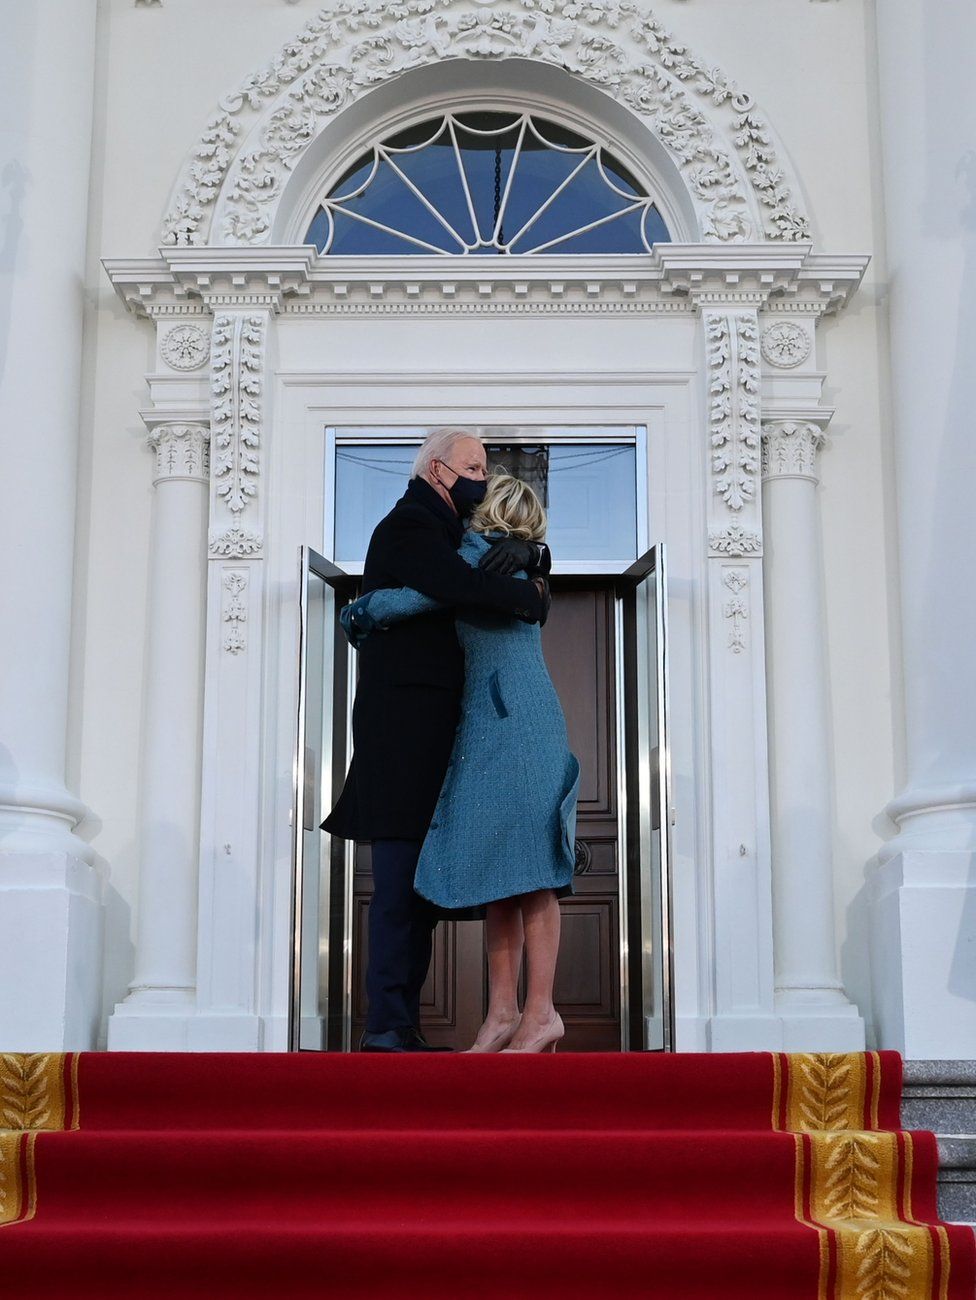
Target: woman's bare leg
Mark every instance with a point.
(503, 924)
(541, 922)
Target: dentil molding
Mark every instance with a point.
(298, 280)
(231, 184)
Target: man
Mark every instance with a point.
(406, 710)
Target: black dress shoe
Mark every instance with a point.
(387, 1040)
(421, 1044)
(397, 1040)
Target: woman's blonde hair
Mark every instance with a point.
(510, 506)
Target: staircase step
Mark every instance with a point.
(233, 1178)
(568, 1258)
(941, 1096)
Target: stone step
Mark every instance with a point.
(941, 1096)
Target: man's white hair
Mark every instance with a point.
(438, 445)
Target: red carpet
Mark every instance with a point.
(685, 1177)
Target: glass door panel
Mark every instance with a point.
(312, 903)
(643, 593)
(586, 478)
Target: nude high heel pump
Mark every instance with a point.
(499, 1042)
(547, 1042)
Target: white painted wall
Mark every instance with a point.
(160, 73)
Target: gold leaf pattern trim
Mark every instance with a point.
(18, 1194)
(853, 1186)
(33, 1093)
(825, 1091)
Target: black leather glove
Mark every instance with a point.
(508, 556)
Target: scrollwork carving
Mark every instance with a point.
(732, 351)
(235, 542)
(237, 378)
(735, 540)
(234, 612)
(736, 608)
(712, 130)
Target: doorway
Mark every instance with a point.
(605, 645)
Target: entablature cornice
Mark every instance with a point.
(674, 278)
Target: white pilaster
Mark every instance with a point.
(810, 999)
(924, 913)
(743, 1017)
(230, 828)
(50, 893)
(162, 991)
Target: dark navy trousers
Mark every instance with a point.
(401, 926)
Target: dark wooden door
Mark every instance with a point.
(579, 645)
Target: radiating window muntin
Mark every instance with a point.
(487, 182)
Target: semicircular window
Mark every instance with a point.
(486, 182)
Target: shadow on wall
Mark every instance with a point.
(13, 183)
(119, 955)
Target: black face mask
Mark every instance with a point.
(466, 493)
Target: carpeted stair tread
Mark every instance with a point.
(467, 1263)
(494, 1091)
(642, 1176)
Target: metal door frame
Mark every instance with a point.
(633, 720)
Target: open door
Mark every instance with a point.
(317, 907)
(642, 593)
(328, 900)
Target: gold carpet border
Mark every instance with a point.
(18, 1179)
(853, 1184)
(38, 1093)
(33, 1094)
(825, 1091)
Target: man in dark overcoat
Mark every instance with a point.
(407, 707)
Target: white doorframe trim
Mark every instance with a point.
(253, 570)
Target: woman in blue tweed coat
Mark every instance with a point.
(504, 827)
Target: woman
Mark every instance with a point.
(504, 827)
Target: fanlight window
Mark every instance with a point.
(487, 182)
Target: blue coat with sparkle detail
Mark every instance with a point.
(505, 822)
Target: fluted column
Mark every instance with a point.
(924, 940)
(50, 902)
(162, 991)
(816, 1013)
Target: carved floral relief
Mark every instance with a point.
(712, 129)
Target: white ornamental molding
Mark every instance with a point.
(185, 347)
(235, 542)
(234, 611)
(735, 608)
(229, 187)
(182, 451)
(789, 449)
(732, 352)
(785, 344)
(734, 541)
(236, 383)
